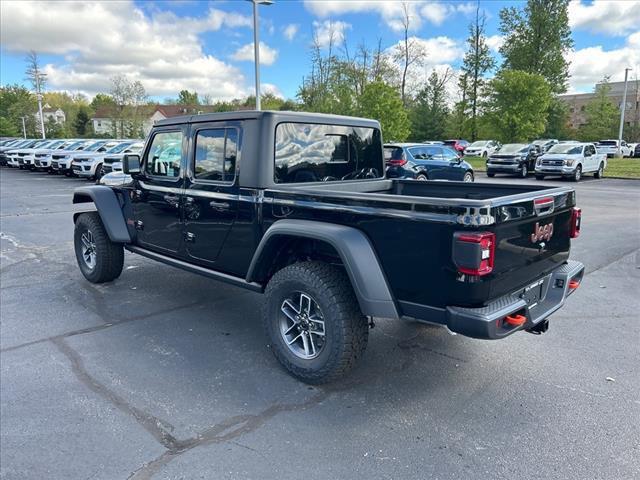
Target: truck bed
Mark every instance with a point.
(411, 225)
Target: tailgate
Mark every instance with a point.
(529, 248)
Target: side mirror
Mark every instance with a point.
(131, 164)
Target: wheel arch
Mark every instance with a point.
(353, 249)
(109, 209)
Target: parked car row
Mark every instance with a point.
(86, 158)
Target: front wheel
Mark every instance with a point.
(600, 172)
(313, 321)
(468, 177)
(98, 174)
(523, 171)
(100, 260)
(491, 174)
(577, 175)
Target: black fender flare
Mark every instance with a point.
(356, 252)
(108, 208)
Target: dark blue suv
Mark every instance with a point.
(425, 162)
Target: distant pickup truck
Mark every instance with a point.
(296, 206)
(571, 160)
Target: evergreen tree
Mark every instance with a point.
(429, 115)
(81, 122)
(477, 62)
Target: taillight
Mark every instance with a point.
(399, 162)
(473, 252)
(576, 220)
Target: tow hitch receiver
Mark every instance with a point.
(539, 328)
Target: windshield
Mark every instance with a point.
(480, 143)
(73, 145)
(118, 148)
(94, 146)
(540, 142)
(608, 143)
(55, 144)
(568, 149)
(513, 148)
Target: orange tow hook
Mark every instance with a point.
(573, 284)
(515, 320)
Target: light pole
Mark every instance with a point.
(24, 128)
(256, 45)
(623, 107)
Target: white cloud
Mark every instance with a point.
(494, 42)
(270, 88)
(329, 31)
(245, 53)
(102, 39)
(589, 65)
(392, 11)
(290, 31)
(612, 17)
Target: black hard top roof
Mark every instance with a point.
(273, 116)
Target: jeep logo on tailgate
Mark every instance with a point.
(542, 232)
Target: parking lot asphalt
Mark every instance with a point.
(167, 375)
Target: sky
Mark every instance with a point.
(207, 46)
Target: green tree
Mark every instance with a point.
(185, 97)
(102, 100)
(9, 128)
(557, 120)
(602, 115)
(537, 39)
(476, 63)
(16, 102)
(517, 104)
(430, 111)
(53, 129)
(383, 103)
(81, 122)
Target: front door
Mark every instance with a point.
(157, 193)
(211, 194)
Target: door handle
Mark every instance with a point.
(219, 205)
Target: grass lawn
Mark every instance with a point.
(623, 167)
(616, 167)
(478, 163)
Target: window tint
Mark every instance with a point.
(392, 153)
(316, 153)
(216, 152)
(165, 154)
(449, 154)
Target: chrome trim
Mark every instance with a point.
(158, 188)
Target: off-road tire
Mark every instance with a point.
(109, 256)
(600, 172)
(346, 329)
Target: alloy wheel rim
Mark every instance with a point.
(301, 325)
(88, 249)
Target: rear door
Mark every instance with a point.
(158, 190)
(211, 190)
(432, 160)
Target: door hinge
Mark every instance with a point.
(139, 225)
(190, 237)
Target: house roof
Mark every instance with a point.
(168, 111)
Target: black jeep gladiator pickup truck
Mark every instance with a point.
(296, 206)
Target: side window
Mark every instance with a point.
(433, 153)
(449, 154)
(216, 152)
(418, 153)
(165, 155)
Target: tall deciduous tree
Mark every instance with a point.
(382, 102)
(128, 96)
(430, 111)
(537, 39)
(407, 52)
(185, 97)
(477, 62)
(602, 115)
(517, 104)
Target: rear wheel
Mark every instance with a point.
(468, 177)
(600, 172)
(577, 175)
(313, 321)
(422, 176)
(100, 260)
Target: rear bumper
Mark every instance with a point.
(488, 322)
